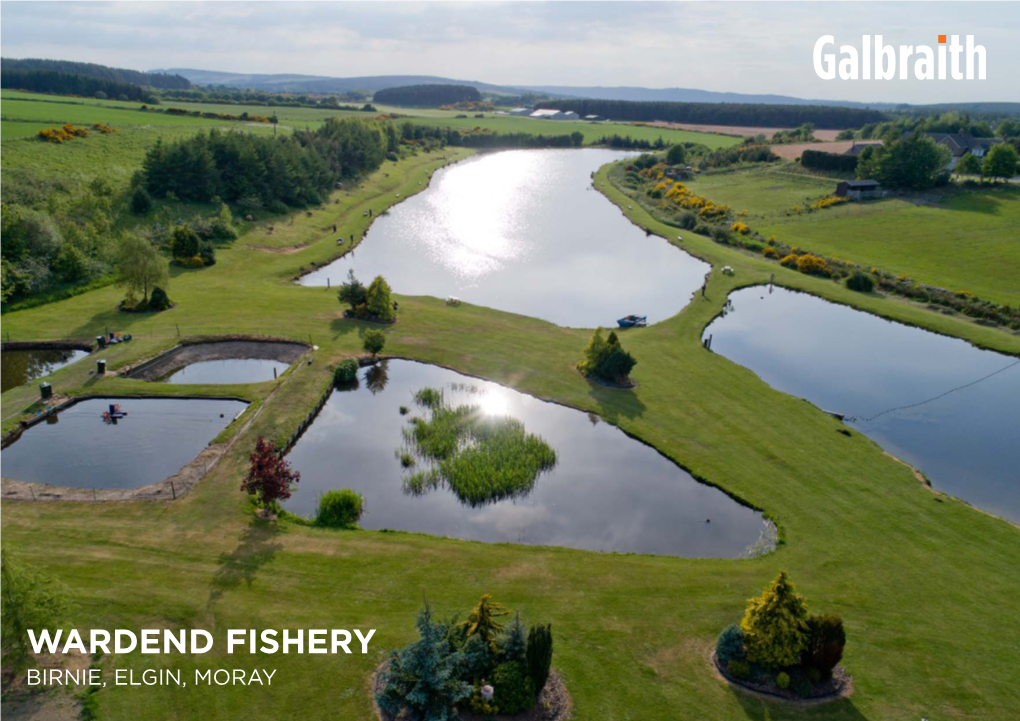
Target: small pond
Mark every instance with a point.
(77, 447)
(606, 491)
(21, 366)
(524, 231)
(863, 366)
(232, 370)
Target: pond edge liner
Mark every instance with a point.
(88, 346)
(313, 266)
(133, 371)
(170, 488)
(365, 361)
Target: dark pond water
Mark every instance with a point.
(234, 370)
(847, 361)
(21, 366)
(607, 492)
(523, 231)
(78, 448)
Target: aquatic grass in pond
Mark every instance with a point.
(607, 491)
(482, 458)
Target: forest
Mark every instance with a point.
(778, 116)
(427, 96)
(51, 81)
(102, 72)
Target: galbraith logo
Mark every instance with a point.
(885, 60)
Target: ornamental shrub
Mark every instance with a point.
(184, 242)
(539, 655)
(345, 372)
(790, 261)
(158, 299)
(812, 265)
(514, 691)
(823, 648)
(513, 645)
(339, 509)
(739, 669)
(770, 252)
(783, 680)
(380, 305)
(421, 682)
(207, 254)
(861, 282)
(479, 660)
(775, 625)
(730, 645)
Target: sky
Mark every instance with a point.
(760, 47)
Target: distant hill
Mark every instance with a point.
(102, 72)
(286, 83)
(370, 84)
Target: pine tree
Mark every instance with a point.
(775, 625)
(380, 306)
(421, 682)
(513, 646)
(539, 655)
(483, 620)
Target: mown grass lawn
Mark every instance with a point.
(927, 586)
(961, 238)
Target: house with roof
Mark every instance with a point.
(961, 144)
(859, 189)
(551, 114)
(521, 112)
(859, 145)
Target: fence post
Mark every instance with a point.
(93, 494)
(173, 490)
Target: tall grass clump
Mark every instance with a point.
(339, 509)
(481, 458)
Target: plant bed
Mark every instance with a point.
(839, 685)
(134, 309)
(553, 704)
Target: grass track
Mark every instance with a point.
(864, 538)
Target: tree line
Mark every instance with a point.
(51, 81)
(783, 116)
(257, 171)
(101, 72)
(427, 95)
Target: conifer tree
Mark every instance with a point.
(775, 625)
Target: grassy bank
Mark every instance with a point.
(633, 633)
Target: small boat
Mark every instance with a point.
(633, 321)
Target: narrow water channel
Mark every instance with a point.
(889, 380)
(524, 231)
(606, 492)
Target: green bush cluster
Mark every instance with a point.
(447, 667)
(606, 359)
(371, 303)
(345, 372)
(861, 282)
(341, 508)
(783, 680)
(739, 669)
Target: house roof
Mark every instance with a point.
(544, 112)
(960, 143)
(863, 184)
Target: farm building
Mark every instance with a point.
(520, 111)
(593, 117)
(858, 189)
(550, 114)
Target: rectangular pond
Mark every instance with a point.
(227, 371)
(942, 405)
(21, 366)
(524, 231)
(606, 491)
(80, 448)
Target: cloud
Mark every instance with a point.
(738, 47)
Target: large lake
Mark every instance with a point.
(967, 442)
(524, 231)
(607, 491)
(77, 447)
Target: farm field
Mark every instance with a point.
(742, 131)
(862, 537)
(967, 240)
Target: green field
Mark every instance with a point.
(633, 633)
(957, 238)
